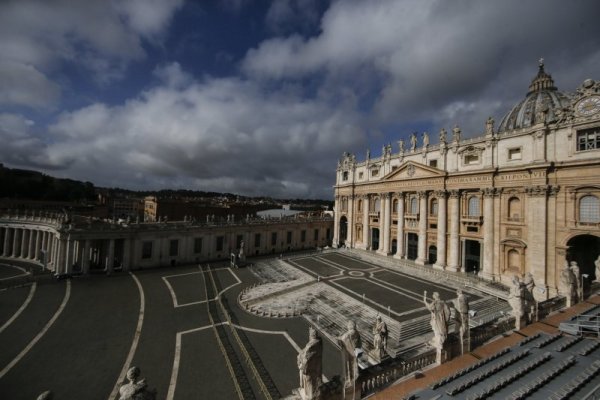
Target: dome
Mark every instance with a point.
(542, 98)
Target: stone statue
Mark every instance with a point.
(461, 305)
(521, 301)
(567, 280)
(380, 336)
(241, 254)
(577, 276)
(310, 366)
(350, 343)
(401, 146)
(425, 139)
(413, 141)
(443, 135)
(597, 271)
(489, 126)
(440, 315)
(456, 133)
(136, 389)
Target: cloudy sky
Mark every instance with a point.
(261, 97)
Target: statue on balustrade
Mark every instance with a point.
(577, 276)
(380, 337)
(136, 389)
(568, 283)
(440, 316)
(462, 313)
(310, 366)
(413, 142)
(351, 344)
(597, 271)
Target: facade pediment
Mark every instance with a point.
(413, 170)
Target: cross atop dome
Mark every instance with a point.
(542, 81)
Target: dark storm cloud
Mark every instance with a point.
(299, 102)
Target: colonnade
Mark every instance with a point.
(445, 223)
(58, 252)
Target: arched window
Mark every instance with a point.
(514, 209)
(414, 205)
(344, 204)
(395, 206)
(434, 207)
(473, 208)
(589, 209)
(514, 259)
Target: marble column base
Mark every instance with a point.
(420, 261)
(486, 275)
(398, 257)
(439, 266)
(452, 268)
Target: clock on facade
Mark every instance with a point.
(589, 106)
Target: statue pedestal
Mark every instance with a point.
(352, 391)
(377, 357)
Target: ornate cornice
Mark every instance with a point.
(537, 191)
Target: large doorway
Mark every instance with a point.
(472, 259)
(343, 230)
(584, 249)
(375, 239)
(412, 246)
(394, 246)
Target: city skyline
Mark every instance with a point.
(262, 99)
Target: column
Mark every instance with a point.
(336, 221)
(7, 237)
(38, 245)
(386, 219)
(24, 243)
(60, 259)
(422, 249)
(487, 271)
(85, 258)
(381, 223)
(537, 236)
(32, 243)
(16, 242)
(366, 222)
(441, 230)
(454, 207)
(350, 215)
(400, 227)
(110, 258)
(70, 248)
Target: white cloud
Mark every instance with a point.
(22, 84)
(222, 134)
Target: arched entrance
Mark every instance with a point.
(584, 249)
(343, 230)
(394, 246)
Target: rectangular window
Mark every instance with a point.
(197, 245)
(374, 172)
(220, 243)
(289, 238)
(303, 236)
(238, 241)
(588, 139)
(273, 238)
(345, 175)
(173, 248)
(433, 163)
(146, 250)
(514, 154)
(257, 240)
(328, 233)
(360, 175)
(471, 159)
(317, 234)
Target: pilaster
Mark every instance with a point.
(400, 227)
(441, 230)
(454, 210)
(422, 247)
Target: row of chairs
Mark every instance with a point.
(487, 373)
(579, 382)
(589, 348)
(528, 339)
(470, 368)
(537, 383)
(570, 342)
(509, 379)
(548, 340)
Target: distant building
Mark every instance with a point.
(522, 198)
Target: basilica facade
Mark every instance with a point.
(522, 197)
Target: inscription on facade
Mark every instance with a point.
(470, 179)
